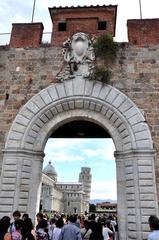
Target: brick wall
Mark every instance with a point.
(143, 32)
(83, 19)
(25, 72)
(26, 35)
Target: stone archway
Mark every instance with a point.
(84, 100)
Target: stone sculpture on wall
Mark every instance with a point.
(78, 54)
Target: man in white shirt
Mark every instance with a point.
(154, 227)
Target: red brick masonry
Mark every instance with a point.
(143, 32)
(82, 19)
(26, 35)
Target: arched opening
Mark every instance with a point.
(80, 99)
(84, 144)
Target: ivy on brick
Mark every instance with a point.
(105, 51)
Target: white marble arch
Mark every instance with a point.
(83, 100)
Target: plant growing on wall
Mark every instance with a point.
(105, 48)
(100, 73)
(105, 52)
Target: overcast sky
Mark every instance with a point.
(77, 153)
(19, 11)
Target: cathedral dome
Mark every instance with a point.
(50, 171)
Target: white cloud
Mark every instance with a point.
(90, 152)
(103, 152)
(83, 150)
(65, 143)
(104, 190)
(57, 144)
(62, 157)
(61, 150)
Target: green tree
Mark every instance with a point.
(92, 207)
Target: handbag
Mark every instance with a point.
(85, 234)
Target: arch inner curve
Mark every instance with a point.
(80, 129)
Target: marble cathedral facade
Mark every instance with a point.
(67, 197)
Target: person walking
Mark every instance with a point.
(28, 230)
(86, 231)
(70, 231)
(16, 216)
(96, 228)
(4, 225)
(106, 232)
(39, 218)
(51, 227)
(57, 229)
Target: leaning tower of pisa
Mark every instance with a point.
(85, 177)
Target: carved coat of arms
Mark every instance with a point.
(78, 54)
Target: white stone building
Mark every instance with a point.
(68, 197)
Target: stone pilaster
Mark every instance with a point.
(121, 196)
(21, 182)
(140, 191)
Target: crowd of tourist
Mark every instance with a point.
(62, 227)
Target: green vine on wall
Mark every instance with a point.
(100, 73)
(105, 52)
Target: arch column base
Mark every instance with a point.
(21, 182)
(137, 196)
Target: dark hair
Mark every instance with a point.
(93, 216)
(43, 224)
(53, 220)
(27, 223)
(40, 215)
(59, 223)
(86, 224)
(16, 213)
(103, 222)
(153, 222)
(4, 224)
(25, 216)
(73, 218)
(18, 224)
(27, 227)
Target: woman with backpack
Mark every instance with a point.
(86, 231)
